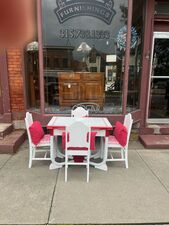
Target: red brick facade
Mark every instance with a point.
(15, 75)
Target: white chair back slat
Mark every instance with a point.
(78, 135)
(128, 121)
(28, 123)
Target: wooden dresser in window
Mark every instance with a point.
(77, 87)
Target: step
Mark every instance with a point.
(11, 142)
(5, 129)
(164, 129)
(155, 141)
(160, 128)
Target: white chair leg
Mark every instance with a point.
(126, 163)
(88, 166)
(66, 167)
(65, 173)
(122, 153)
(87, 173)
(30, 163)
(30, 157)
(126, 159)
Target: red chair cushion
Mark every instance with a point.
(120, 133)
(92, 142)
(36, 132)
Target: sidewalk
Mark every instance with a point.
(139, 194)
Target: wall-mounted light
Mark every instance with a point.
(33, 46)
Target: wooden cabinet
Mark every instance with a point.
(77, 87)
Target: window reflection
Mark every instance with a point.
(160, 58)
(159, 98)
(83, 56)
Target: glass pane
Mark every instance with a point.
(159, 98)
(159, 95)
(161, 57)
(137, 37)
(84, 48)
(162, 8)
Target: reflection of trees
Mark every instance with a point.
(124, 11)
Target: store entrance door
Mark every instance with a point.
(158, 110)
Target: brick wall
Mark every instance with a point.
(15, 74)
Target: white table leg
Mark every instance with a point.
(59, 154)
(102, 165)
(54, 164)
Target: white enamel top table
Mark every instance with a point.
(58, 124)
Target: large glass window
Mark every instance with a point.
(84, 53)
(136, 47)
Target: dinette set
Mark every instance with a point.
(79, 133)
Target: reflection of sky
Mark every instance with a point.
(52, 27)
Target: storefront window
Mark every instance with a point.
(137, 32)
(83, 53)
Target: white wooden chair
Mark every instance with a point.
(79, 112)
(42, 146)
(77, 143)
(114, 145)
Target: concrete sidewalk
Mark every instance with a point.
(139, 194)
